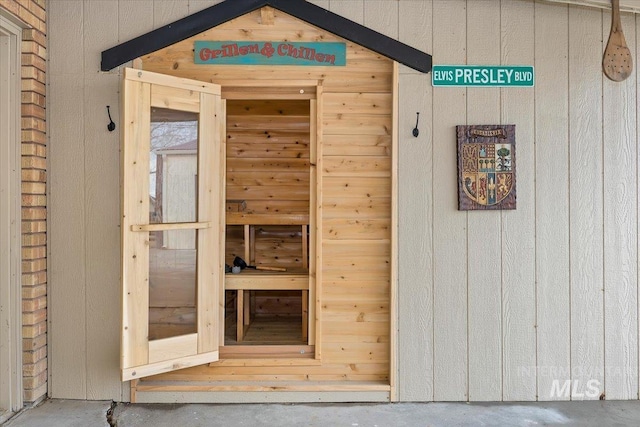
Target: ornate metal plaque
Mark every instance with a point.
(486, 167)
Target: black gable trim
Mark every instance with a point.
(230, 9)
(177, 31)
(356, 33)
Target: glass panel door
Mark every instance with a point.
(172, 216)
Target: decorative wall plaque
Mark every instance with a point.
(326, 54)
(486, 167)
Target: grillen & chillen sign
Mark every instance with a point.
(270, 53)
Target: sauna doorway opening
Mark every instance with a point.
(270, 184)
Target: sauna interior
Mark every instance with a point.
(267, 222)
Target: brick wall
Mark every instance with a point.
(34, 199)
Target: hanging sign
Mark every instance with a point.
(270, 53)
(486, 167)
(479, 75)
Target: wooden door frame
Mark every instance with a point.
(11, 399)
(393, 298)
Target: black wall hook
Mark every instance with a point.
(416, 132)
(111, 126)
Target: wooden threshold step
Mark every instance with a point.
(213, 386)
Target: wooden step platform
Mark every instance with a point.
(157, 391)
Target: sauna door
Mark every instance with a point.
(172, 223)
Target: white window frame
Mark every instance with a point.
(11, 397)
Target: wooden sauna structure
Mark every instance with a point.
(289, 168)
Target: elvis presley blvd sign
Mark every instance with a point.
(270, 53)
(479, 75)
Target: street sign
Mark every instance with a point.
(482, 76)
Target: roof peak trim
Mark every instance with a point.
(230, 9)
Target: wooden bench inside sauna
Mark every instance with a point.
(267, 224)
(268, 307)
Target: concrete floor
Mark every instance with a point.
(72, 413)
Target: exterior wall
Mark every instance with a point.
(484, 297)
(34, 202)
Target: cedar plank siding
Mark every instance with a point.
(356, 197)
